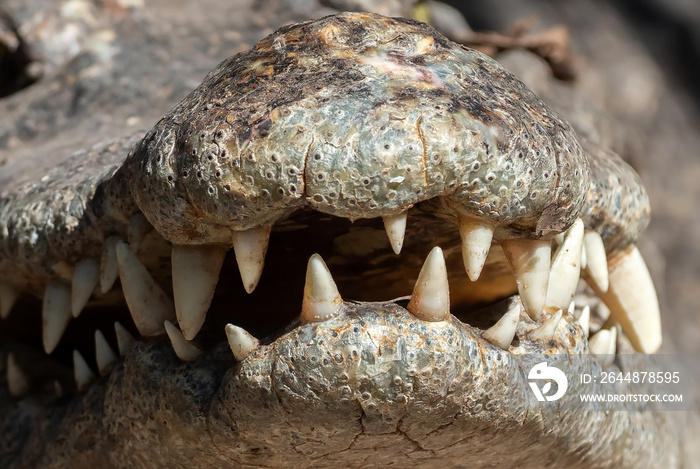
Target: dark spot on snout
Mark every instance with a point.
(244, 136)
(262, 128)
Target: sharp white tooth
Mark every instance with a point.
(106, 358)
(572, 308)
(631, 298)
(395, 226)
(137, 230)
(584, 256)
(8, 298)
(322, 300)
(85, 278)
(55, 313)
(613, 340)
(530, 261)
(250, 247)
(109, 267)
(185, 350)
(546, 331)
(430, 300)
(242, 343)
(83, 374)
(17, 381)
(124, 339)
(476, 243)
(501, 334)
(195, 273)
(597, 261)
(604, 344)
(584, 319)
(148, 303)
(566, 268)
(559, 238)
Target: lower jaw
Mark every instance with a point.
(371, 387)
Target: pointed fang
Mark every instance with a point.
(596, 260)
(83, 374)
(322, 300)
(195, 274)
(566, 268)
(430, 300)
(8, 298)
(546, 331)
(476, 244)
(55, 313)
(603, 344)
(584, 320)
(395, 226)
(124, 338)
(106, 358)
(250, 247)
(632, 300)
(137, 230)
(109, 267)
(501, 334)
(242, 343)
(85, 278)
(148, 303)
(185, 350)
(559, 238)
(530, 261)
(17, 381)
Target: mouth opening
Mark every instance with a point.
(358, 254)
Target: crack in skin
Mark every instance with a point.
(213, 443)
(262, 396)
(424, 157)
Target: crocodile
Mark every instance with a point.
(316, 379)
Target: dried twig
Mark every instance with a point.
(552, 45)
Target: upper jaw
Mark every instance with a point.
(411, 120)
(336, 122)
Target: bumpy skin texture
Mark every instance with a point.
(154, 411)
(37, 239)
(617, 205)
(372, 387)
(63, 218)
(358, 116)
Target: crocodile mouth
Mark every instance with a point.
(372, 365)
(392, 323)
(264, 292)
(400, 376)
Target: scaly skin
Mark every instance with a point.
(357, 117)
(370, 387)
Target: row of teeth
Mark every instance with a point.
(430, 301)
(544, 284)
